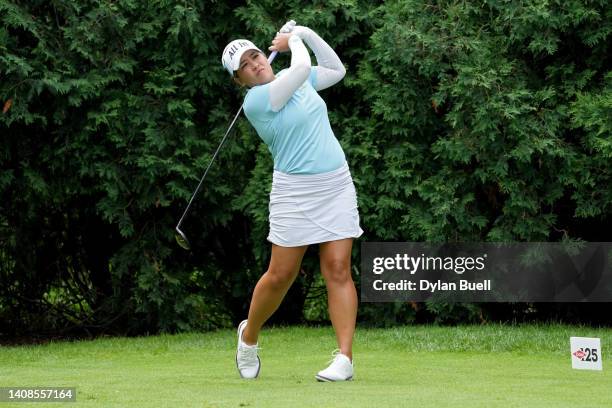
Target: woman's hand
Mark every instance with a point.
(280, 43)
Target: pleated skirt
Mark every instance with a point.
(313, 208)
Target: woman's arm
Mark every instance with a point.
(283, 87)
(329, 69)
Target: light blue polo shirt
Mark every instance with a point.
(299, 136)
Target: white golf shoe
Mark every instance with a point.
(340, 369)
(247, 360)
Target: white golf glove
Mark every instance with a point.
(288, 27)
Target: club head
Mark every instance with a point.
(181, 239)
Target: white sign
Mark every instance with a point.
(585, 353)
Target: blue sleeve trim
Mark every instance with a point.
(313, 77)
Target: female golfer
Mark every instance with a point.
(313, 199)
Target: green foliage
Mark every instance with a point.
(479, 109)
(461, 121)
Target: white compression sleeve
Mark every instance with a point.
(283, 87)
(329, 67)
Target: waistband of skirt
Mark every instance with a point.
(279, 176)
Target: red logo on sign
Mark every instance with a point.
(579, 354)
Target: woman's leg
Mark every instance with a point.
(271, 288)
(335, 258)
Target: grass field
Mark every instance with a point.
(413, 366)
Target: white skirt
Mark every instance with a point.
(313, 208)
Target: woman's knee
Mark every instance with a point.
(280, 278)
(336, 271)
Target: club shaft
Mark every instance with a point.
(208, 168)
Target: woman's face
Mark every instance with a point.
(254, 69)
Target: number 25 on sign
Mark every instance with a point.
(586, 353)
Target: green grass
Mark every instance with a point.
(421, 366)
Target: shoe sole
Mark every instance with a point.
(320, 378)
(236, 358)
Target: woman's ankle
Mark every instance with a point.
(247, 338)
(349, 354)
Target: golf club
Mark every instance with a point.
(180, 236)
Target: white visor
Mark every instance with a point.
(232, 53)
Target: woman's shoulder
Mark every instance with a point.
(257, 100)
